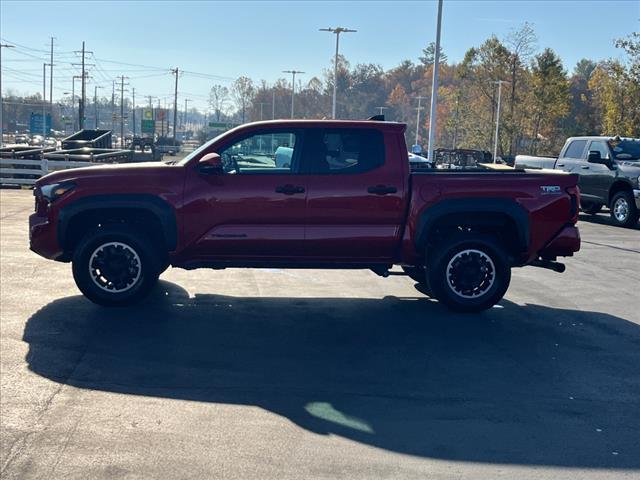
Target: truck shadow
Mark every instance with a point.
(602, 219)
(519, 385)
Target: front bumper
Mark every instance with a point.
(564, 244)
(42, 237)
(636, 196)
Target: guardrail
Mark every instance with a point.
(28, 176)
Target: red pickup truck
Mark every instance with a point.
(347, 199)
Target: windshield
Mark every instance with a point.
(625, 149)
(199, 150)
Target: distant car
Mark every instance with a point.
(36, 140)
(283, 156)
(21, 138)
(418, 162)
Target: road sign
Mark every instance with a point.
(148, 126)
(35, 123)
(147, 114)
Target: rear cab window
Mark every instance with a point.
(575, 149)
(342, 151)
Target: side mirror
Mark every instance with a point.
(595, 157)
(210, 164)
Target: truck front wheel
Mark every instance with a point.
(469, 274)
(114, 265)
(623, 209)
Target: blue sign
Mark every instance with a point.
(35, 124)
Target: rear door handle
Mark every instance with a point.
(585, 167)
(289, 189)
(382, 190)
(560, 165)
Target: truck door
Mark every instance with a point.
(571, 155)
(356, 194)
(596, 178)
(255, 209)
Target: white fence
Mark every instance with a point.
(8, 170)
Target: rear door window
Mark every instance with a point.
(342, 151)
(575, 149)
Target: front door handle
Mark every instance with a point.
(289, 189)
(382, 190)
(560, 165)
(585, 167)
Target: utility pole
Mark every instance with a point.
(293, 86)
(44, 103)
(495, 141)
(2, 45)
(73, 100)
(433, 115)
(176, 72)
(382, 109)
(83, 93)
(122, 77)
(273, 105)
(51, 80)
(95, 103)
(133, 102)
(113, 105)
(419, 109)
(337, 31)
(262, 104)
(184, 120)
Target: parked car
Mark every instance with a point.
(418, 162)
(609, 169)
(22, 139)
(51, 142)
(36, 140)
(348, 200)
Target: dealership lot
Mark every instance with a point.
(327, 374)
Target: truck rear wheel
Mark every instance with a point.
(623, 209)
(114, 265)
(469, 274)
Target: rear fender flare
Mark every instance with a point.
(473, 206)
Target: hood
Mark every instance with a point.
(126, 170)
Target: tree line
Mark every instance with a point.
(542, 103)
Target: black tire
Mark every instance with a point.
(591, 208)
(134, 266)
(468, 274)
(624, 212)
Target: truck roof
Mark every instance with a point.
(293, 123)
(602, 137)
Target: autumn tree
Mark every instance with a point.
(218, 99)
(549, 100)
(242, 91)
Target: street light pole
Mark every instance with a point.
(419, 109)
(433, 115)
(95, 102)
(495, 141)
(337, 31)
(2, 45)
(293, 86)
(44, 103)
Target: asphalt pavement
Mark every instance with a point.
(299, 374)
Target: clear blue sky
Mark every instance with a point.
(260, 39)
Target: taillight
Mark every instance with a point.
(574, 195)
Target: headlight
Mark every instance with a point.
(56, 190)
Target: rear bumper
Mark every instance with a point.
(564, 244)
(42, 237)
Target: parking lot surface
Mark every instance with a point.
(293, 374)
